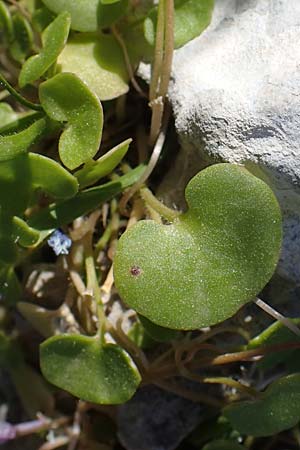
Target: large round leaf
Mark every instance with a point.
(95, 373)
(277, 410)
(202, 268)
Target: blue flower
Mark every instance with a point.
(60, 243)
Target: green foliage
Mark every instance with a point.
(62, 213)
(21, 177)
(54, 39)
(278, 409)
(83, 14)
(12, 145)
(98, 60)
(88, 16)
(194, 272)
(213, 259)
(66, 98)
(95, 170)
(23, 38)
(88, 369)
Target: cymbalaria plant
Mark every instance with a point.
(104, 289)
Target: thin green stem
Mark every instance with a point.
(129, 68)
(92, 282)
(154, 203)
(19, 97)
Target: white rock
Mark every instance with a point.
(236, 97)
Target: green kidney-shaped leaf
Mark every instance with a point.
(54, 39)
(95, 170)
(221, 444)
(191, 17)
(277, 410)
(213, 259)
(80, 365)
(98, 60)
(66, 98)
(89, 15)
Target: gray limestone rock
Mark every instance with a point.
(156, 420)
(236, 97)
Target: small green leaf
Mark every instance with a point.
(59, 214)
(95, 373)
(66, 98)
(23, 38)
(23, 234)
(221, 444)
(98, 60)
(213, 259)
(12, 145)
(277, 410)
(54, 39)
(7, 116)
(191, 18)
(95, 170)
(51, 177)
(6, 24)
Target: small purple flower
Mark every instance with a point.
(60, 243)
